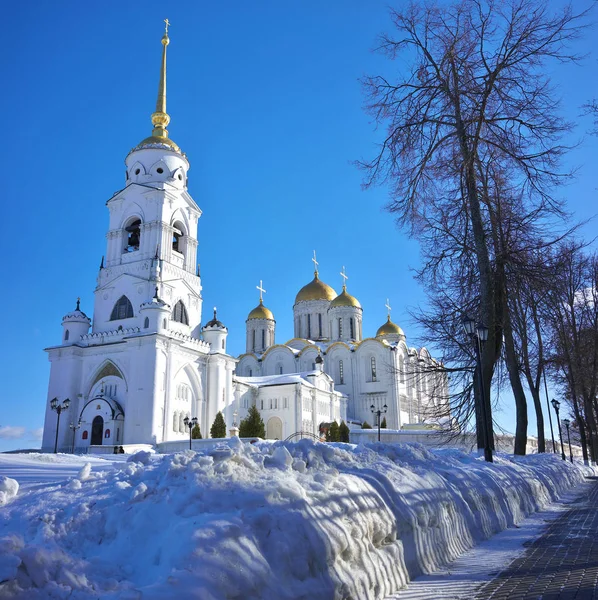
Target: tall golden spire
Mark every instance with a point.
(160, 118)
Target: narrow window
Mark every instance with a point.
(146, 323)
(118, 434)
(66, 335)
(223, 344)
(308, 327)
(250, 373)
(85, 435)
(175, 421)
(270, 403)
(340, 327)
(179, 314)
(123, 309)
(286, 403)
(280, 370)
(352, 327)
(341, 372)
(320, 324)
(262, 404)
(263, 338)
(276, 403)
(107, 433)
(164, 323)
(313, 366)
(373, 367)
(176, 240)
(253, 338)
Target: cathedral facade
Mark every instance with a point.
(373, 373)
(145, 365)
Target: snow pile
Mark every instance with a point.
(266, 521)
(8, 489)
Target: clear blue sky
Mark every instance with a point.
(265, 100)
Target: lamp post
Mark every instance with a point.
(55, 405)
(74, 428)
(556, 405)
(191, 423)
(378, 413)
(567, 423)
(478, 333)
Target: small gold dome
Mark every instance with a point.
(154, 141)
(345, 299)
(315, 290)
(261, 312)
(389, 328)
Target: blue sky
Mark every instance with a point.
(265, 100)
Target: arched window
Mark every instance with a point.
(177, 233)
(133, 236)
(352, 327)
(340, 327)
(66, 335)
(181, 423)
(253, 340)
(175, 421)
(146, 323)
(179, 314)
(85, 435)
(107, 433)
(263, 338)
(123, 309)
(341, 373)
(164, 324)
(373, 368)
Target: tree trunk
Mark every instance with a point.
(535, 392)
(518, 392)
(582, 431)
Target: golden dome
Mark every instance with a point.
(261, 312)
(344, 299)
(315, 290)
(154, 140)
(389, 328)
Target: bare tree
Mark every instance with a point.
(473, 99)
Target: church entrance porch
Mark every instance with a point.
(274, 429)
(97, 431)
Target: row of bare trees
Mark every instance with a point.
(473, 158)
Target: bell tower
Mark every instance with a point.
(152, 235)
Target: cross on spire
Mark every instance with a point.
(261, 289)
(345, 277)
(388, 307)
(167, 22)
(316, 263)
(78, 303)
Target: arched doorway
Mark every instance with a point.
(274, 429)
(97, 431)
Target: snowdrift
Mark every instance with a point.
(265, 521)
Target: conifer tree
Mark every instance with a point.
(196, 432)
(218, 429)
(333, 433)
(343, 432)
(383, 424)
(253, 425)
(366, 425)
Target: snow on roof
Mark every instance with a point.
(284, 379)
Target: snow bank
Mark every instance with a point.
(8, 489)
(266, 521)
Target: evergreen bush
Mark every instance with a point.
(196, 432)
(343, 432)
(366, 425)
(333, 433)
(253, 425)
(383, 424)
(218, 429)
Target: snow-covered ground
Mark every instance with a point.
(264, 521)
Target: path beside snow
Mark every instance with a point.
(461, 579)
(284, 521)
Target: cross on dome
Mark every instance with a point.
(261, 289)
(316, 263)
(345, 277)
(387, 305)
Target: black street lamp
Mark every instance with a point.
(556, 405)
(567, 423)
(54, 405)
(478, 333)
(74, 428)
(191, 423)
(378, 413)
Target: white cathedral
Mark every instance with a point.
(144, 363)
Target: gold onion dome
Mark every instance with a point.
(261, 312)
(389, 328)
(315, 290)
(160, 119)
(345, 299)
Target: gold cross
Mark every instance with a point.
(167, 25)
(260, 287)
(345, 277)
